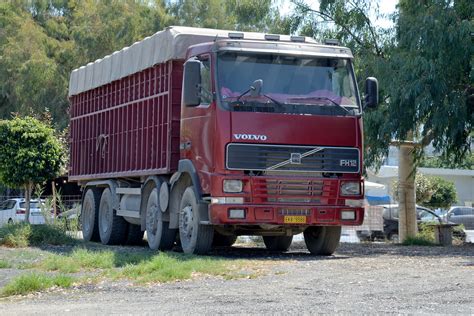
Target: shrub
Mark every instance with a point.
(24, 235)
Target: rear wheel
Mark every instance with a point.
(90, 215)
(112, 228)
(10, 221)
(220, 240)
(158, 234)
(322, 240)
(277, 243)
(195, 237)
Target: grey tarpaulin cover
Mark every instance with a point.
(168, 44)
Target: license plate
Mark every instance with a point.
(294, 219)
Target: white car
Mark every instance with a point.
(14, 211)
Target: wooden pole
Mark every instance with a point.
(407, 222)
(53, 189)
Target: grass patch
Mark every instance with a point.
(84, 259)
(425, 236)
(32, 282)
(4, 264)
(166, 267)
(21, 235)
(418, 241)
(140, 267)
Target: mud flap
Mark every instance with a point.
(204, 213)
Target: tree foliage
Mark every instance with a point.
(30, 153)
(424, 66)
(432, 192)
(42, 41)
(444, 194)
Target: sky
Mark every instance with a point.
(386, 7)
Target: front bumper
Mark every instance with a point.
(280, 215)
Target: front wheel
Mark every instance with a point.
(277, 243)
(195, 237)
(322, 240)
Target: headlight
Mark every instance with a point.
(350, 188)
(233, 186)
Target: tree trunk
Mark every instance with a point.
(28, 191)
(407, 224)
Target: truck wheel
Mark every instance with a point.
(322, 240)
(90, 215)
(134, 235)
(195, 238)
(112, 228)
(220, 240)
(158, 234)
(277, 243)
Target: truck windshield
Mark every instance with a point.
(286, 84)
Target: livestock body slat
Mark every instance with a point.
(127, 127)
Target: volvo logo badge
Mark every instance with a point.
(295, 159)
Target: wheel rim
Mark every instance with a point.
(87, 215)
(153, 219)
(186, 223)
(104, 216)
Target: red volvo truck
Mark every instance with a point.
(200, 135)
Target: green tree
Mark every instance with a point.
(425, 71)
(443, 194)
(30, 153)
(241, 15)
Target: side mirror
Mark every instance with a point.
(371, 92)
(192, 83)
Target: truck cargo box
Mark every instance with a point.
(125, 108)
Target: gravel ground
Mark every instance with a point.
(360, 278)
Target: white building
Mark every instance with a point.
(463, 179)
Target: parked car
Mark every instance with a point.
(14, 211)
(423, 215)
(461, 215)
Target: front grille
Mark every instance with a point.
(259, 157)
(294, 190)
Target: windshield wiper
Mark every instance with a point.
(325, 98)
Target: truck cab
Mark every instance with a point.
(274, 131)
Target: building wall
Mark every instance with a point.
(464, 183)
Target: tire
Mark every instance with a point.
(10, 221)
(195, 238)
(90, 215)
(393, 237)
(322, 240)
(277, 243)
(220, 240)
(112, 228)
(159, 236)
(134, 235)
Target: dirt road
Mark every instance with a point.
(360, 278)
